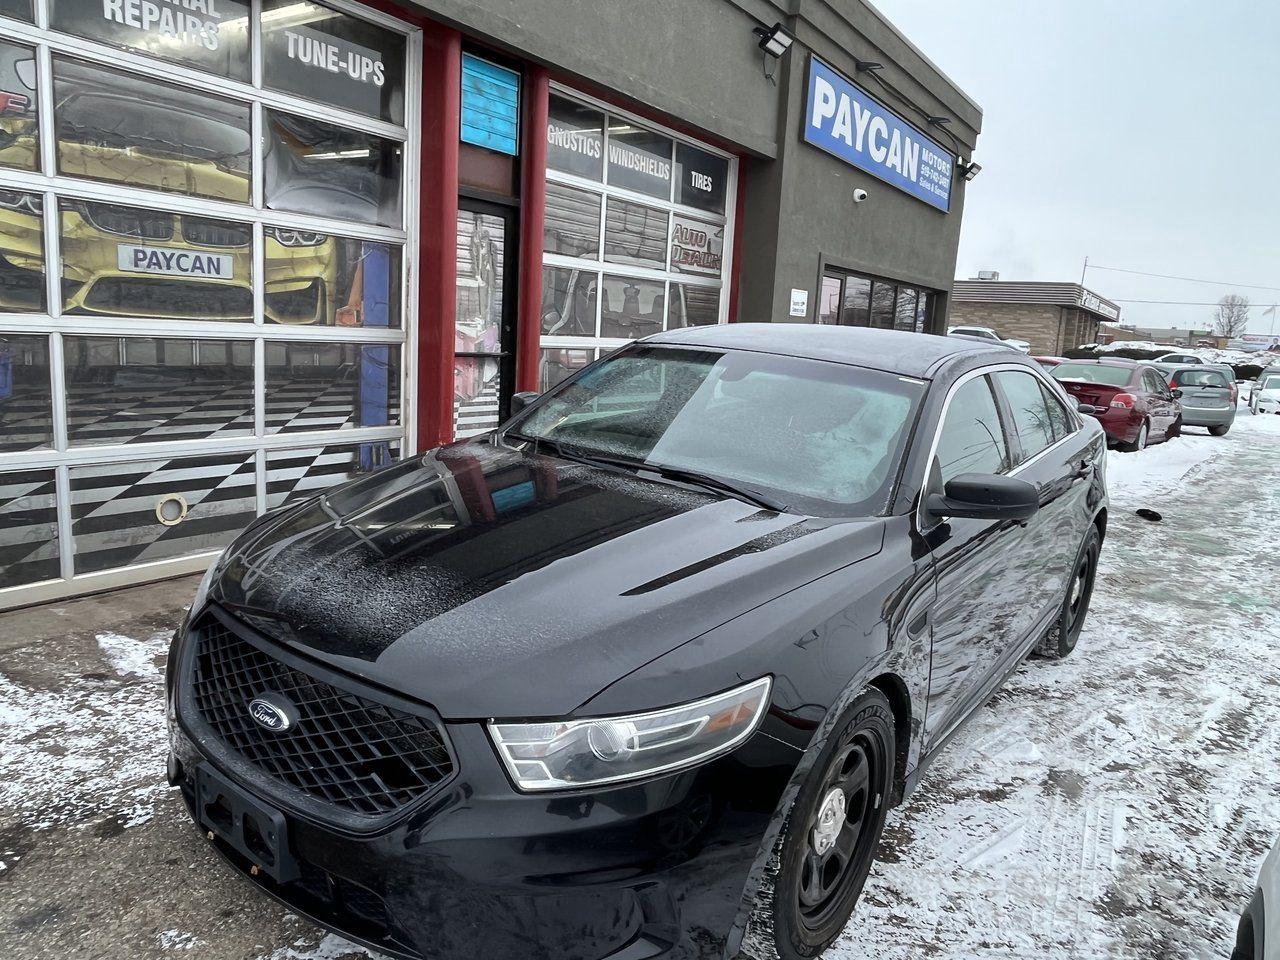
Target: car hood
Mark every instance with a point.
(488, 581)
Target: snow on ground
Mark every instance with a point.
(89, 748)
(1162, 467)
(329, 947)
(1116, 804)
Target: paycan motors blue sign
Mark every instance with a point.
(849, 123)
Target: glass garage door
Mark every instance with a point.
(635, 239)
(204, 231)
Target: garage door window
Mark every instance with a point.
(634, 240)
(203, 296)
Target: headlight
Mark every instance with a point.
(580, 753)
(32, 203)
(294, 238)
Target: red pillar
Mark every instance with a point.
(438, 232)
(533, 206)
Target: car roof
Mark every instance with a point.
(894, 351)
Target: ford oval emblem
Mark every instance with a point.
(273, 712)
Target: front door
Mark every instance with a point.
(484, 320)
(979, 595)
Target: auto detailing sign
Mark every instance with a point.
(849, 123)
(696, 247)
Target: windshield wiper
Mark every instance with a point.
(718, 484)
(679, 474)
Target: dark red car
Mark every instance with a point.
(1133, 401)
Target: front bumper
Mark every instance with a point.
(653, 869)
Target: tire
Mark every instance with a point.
(1175, 429)
(1140, 442)
(1220, 430)
(1061, 638)
(813, 893)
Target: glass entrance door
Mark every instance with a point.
(484, 318)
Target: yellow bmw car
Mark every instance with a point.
(126, 261)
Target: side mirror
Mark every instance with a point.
(1177, 394)
(1088, 408)
(983, 496)
(521, 400)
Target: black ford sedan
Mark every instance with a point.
(639, 674)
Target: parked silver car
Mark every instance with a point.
(1265, 397)
(1208, 397)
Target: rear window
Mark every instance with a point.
(1093, 373)
(1200, 378)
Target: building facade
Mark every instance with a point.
(1052, 317)
(252, 248)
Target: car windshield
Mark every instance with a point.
(1199, 378)
(1271, 383)
(819, 438)
(1093, 373)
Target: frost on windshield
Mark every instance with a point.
(854, 458)
(819, 437)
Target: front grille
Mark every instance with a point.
(208, 233)
(129, 222)
(345, 749)
(164, 297)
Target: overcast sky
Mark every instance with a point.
(1143, 134)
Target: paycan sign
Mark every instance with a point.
(849, 123)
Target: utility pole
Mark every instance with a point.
(1084, 270)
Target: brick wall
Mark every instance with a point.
(1038, 324)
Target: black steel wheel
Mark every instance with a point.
(1062, 636)
(830, 839)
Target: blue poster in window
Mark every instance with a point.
(490, 105)
(849, 123)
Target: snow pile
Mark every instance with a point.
(130, 657)
(1207, 354)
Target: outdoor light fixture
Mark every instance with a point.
(866, 66)
(775, 41)
(939, 121)
(970, 169)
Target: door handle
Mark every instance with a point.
(918, 625)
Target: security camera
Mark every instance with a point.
(859, 195)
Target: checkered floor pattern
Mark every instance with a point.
(113, 508)
(99, 414)
(477, 415)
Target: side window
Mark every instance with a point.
(971, 440)
(1154, 383)
(1059, 419)
(1031, 418)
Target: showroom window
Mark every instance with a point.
(203, 303)
(636, 233)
